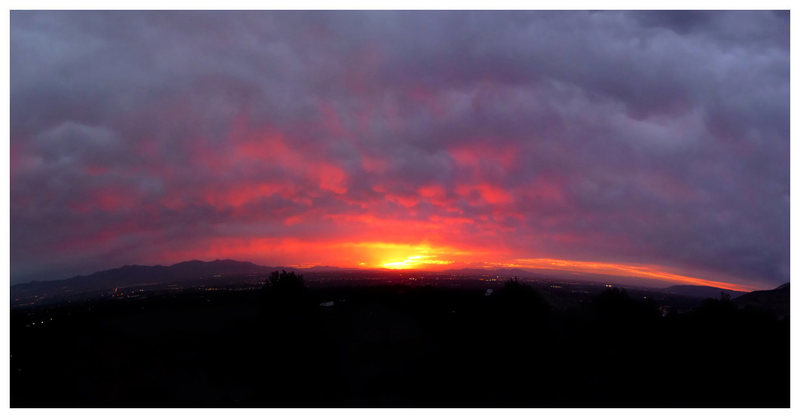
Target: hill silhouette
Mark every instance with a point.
(137, 275)
(775, 300)
(701, 292)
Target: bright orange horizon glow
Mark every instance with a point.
(614, 269)
(424, 256)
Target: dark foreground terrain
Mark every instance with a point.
(288, 345)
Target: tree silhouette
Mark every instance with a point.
(284, 283)
(616, 305)
(518, 298)
(284, 291)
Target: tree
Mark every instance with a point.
(520, 299)
(284, 283)
(284, 292)
(615, 305)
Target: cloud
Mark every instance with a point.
(657, 138)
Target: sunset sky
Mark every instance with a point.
(644, 144)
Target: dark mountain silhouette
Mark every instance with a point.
(701, 292)
(775, 300)
(136, 275)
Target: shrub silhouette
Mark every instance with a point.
(518, 298)
(284, 283)
(717, 310)
(616, 305)
(284, 291)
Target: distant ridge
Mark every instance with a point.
(701, 292)
(139, 275)
(135, 275)
(775, 300)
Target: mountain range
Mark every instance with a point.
(137, 275)
(195, 271)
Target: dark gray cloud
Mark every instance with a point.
(639, 137)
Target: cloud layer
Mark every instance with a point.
(342, 138)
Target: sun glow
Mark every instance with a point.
(397, 256)
(416, 261)
(428, 256)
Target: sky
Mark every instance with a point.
(645, 144)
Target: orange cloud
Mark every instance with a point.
(489, 193)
